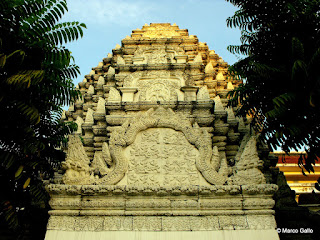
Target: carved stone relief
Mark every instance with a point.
(114, 95)
(158, 90)
(161, 223)
(208, 161)
(157, 54)
(162, 156)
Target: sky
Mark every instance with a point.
(109, 21)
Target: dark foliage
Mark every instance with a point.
(281, 43)
(35, 82)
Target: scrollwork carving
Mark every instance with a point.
(158, 89)
(102, 160)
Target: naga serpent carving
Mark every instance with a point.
(112, 164)
(207, 163)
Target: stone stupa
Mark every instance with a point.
(157, 154)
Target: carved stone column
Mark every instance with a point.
(190, 93)
(128, 93)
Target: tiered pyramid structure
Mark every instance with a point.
(157, 153)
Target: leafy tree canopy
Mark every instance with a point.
(36, 73)
(281, 43)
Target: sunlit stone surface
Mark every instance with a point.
(157, 154)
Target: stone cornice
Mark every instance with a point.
(127, 190)
(158, 66)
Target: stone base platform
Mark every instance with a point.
(95, 212)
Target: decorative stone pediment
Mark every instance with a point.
(158, 89)
(157, 153)
(132, 80)
(157, 142)
(155, 55)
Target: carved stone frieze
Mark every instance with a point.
(261, 222)
(232, 222)
(162, 156)
(160, 223)
(145, 223)
(116, 223)
(152, 55)
(133, 190)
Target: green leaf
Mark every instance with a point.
(26, 183)
(3, 59)
(18, 172)
(297, 49)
